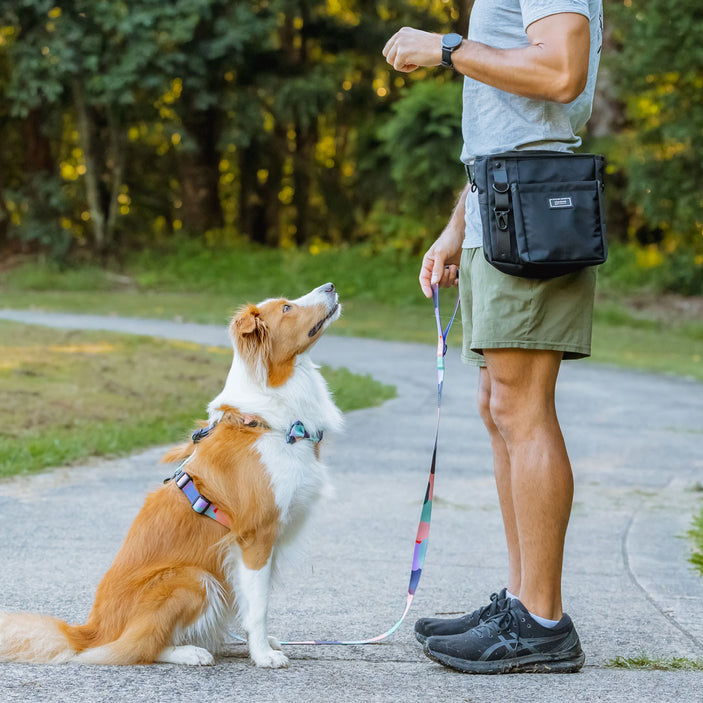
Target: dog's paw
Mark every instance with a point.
(274, 643)
(187, 654)
(272, 659)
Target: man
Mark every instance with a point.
(530, 69)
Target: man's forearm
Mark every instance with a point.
(553, 66)
(456, 221)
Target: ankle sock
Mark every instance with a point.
(544, 622)
(509, 594)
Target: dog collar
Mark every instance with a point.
(297, 431)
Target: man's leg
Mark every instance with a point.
(501, 468)
(521, 407)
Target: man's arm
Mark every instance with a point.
(553, 67)
(441, 262)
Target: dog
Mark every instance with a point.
(202, 548)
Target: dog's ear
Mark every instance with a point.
(251, 337)
(248, 321)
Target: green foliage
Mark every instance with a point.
(422, 141)
(648, 268)
(659, 71)
(696, 534)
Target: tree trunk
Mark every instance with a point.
(118, 158)
(37, 147)
(199, 171)
(302, 180)
(461, 25)
(86, 129)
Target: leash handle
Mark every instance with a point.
(423, 529)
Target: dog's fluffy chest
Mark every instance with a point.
(297, 477)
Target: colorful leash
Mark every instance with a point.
(423, 530)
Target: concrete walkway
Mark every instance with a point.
(636, 444)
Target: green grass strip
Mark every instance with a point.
(696, 534)
(656, 664)
(67, 395)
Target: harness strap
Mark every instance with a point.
(198, 501)
(423, 530)
(184, 481)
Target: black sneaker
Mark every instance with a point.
(434, 627)
(510, 642)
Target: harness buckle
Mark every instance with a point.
(182, 480)
(201, 504)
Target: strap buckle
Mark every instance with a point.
(200, 504)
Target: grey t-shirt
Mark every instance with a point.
(494, 120)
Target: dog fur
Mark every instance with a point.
(179, 578)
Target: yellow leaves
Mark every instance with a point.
(262, 175)
(343, 10)
(54, 13)
(326, 149)
(649, 257)
(174, 93)
(380, 85)
(286, 195)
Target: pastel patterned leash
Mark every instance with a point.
(423, 530)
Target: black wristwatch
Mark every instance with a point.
(450, 43)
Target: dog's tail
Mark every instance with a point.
(36, 639)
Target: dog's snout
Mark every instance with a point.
(328, 288)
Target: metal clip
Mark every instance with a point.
(502, 218)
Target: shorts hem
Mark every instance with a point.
(574, 351)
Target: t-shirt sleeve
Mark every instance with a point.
(533, 10)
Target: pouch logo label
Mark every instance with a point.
(558, 203)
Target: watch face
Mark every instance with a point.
(452, 41)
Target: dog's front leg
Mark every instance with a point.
(253, 587)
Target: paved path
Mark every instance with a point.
(635, 442)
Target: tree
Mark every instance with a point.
(659, 72)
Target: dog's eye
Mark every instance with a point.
(286, 308)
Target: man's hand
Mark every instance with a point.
(410, 48)
(440, 265)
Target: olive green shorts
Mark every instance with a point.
(500, 311)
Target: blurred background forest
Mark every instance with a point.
(147, 126)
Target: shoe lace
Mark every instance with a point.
(503, 619)
(494, 607)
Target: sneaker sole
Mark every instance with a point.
(529, 664)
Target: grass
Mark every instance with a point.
(379, 292)
(696, 534)
(68, 395)
(657, 664)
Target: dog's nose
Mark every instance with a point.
(328, 288)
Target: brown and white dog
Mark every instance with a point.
(180, 577)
